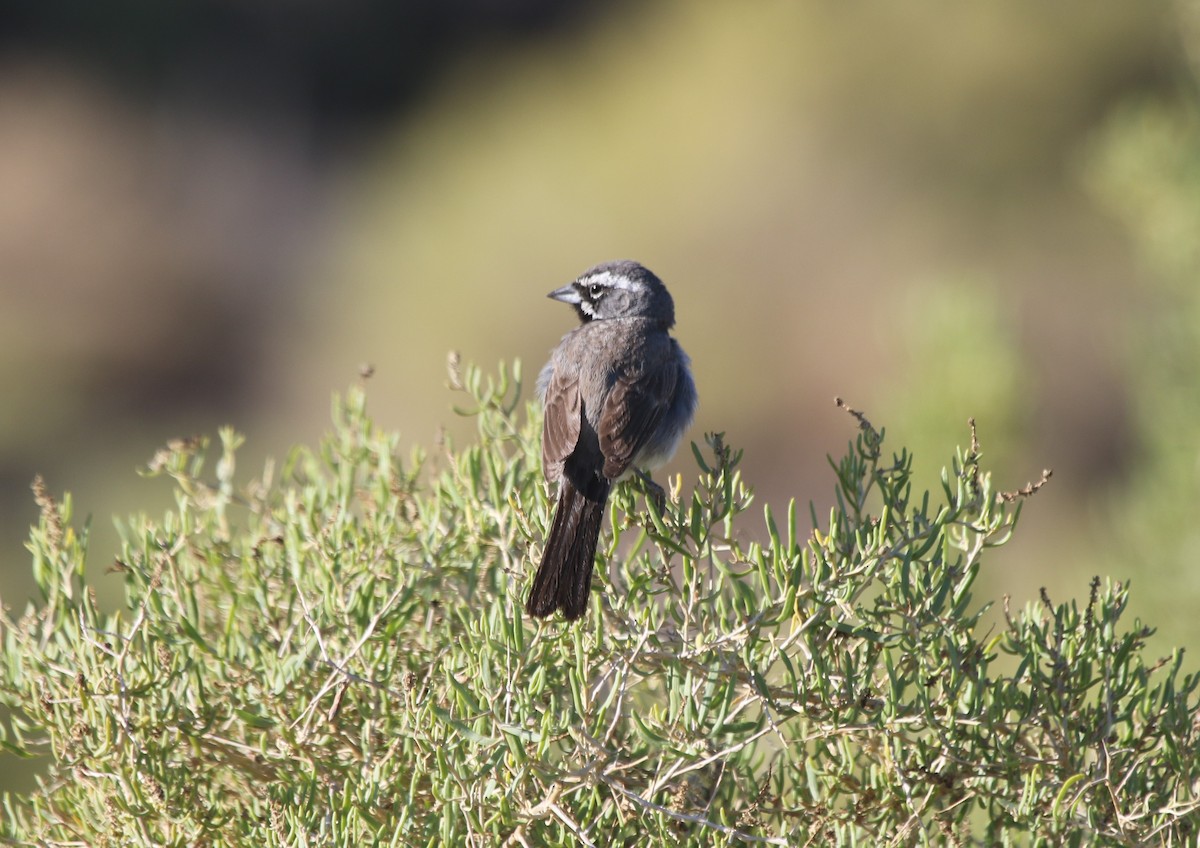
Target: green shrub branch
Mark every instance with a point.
(335, 654)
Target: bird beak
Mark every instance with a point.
(567, 294)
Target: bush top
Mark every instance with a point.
(339, 657)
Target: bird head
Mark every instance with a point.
(621, 289)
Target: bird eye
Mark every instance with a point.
(595, 289)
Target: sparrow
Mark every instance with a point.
(617, 396)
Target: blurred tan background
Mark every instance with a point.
(213, 212)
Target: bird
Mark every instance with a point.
(617, 395)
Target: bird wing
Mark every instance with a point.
(632, 412)
(560, 429)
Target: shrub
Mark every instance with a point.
(339, 657)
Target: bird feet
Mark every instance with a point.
(652, 490)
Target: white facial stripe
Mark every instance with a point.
(586, 308)
(607, 278)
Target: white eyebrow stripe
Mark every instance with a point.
(613, 281)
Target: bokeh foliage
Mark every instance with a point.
(339, 657)
(1145, 168)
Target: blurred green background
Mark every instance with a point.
(213, 212)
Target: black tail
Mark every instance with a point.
(565, 575)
